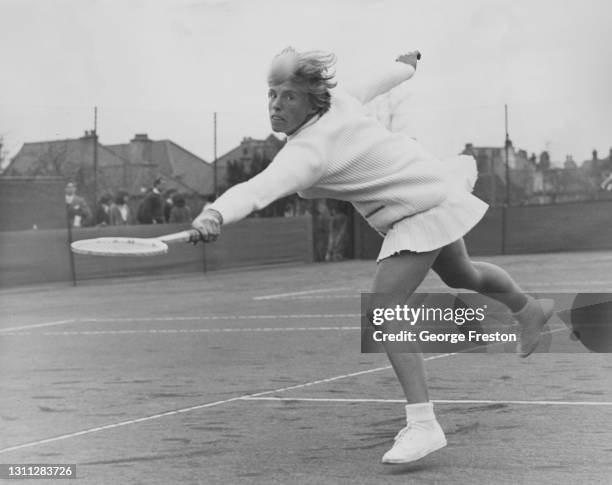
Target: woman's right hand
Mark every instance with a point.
(209, 224)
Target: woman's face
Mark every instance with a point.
(288, 107)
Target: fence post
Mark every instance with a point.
(204, 267)
(503, 228)
(70, 253)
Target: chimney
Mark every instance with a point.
(594, 154)
(140, 137)
(140, 148)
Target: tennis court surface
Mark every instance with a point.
(257, 377)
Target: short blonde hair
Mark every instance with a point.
(312, 69)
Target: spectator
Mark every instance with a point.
(338, 225)
(151, 209)
(168, 203)
(179, 212)
(322, 223)
(103, 210)
(289, 210)
(79, 213)
(120, 210)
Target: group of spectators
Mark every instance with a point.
(157, 207)
(160, 206)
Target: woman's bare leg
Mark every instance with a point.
(457, 270)
(396, 280)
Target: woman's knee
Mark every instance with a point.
(462, 277)
(455, 280)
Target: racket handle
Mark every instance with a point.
(192, 235)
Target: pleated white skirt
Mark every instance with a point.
(444, 224)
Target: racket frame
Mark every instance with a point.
(155, 245)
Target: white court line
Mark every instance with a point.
(216, 403)
(37, 325)
(223, 317)
(566, 283)
(324, 297)
(289, 296)
(179, 319)
(185, 330)
(296, 293)
(201, 330)
(310, 295)
(331, 379)
(435, 401)
(163, 331)
(441, 290)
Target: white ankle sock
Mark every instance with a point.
(422, 411)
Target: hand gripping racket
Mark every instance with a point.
(133, 246)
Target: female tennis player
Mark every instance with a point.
(422, 206)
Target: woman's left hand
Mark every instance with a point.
(209, 224)
(410, 58)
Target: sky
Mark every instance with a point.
(163, 67)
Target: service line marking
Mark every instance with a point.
(185, 330)
(161, 331)
(222, 317)
(180, 319)
(297, 293)
(571, 286)
(37, 325)
(435, 401)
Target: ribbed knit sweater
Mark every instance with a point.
(347, 155)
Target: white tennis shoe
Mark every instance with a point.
(416, 440)
(531, 320)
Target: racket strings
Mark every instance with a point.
(117, 246)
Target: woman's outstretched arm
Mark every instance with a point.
(296, 167)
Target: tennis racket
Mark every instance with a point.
(133, 246)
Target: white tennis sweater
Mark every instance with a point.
(347, 155)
